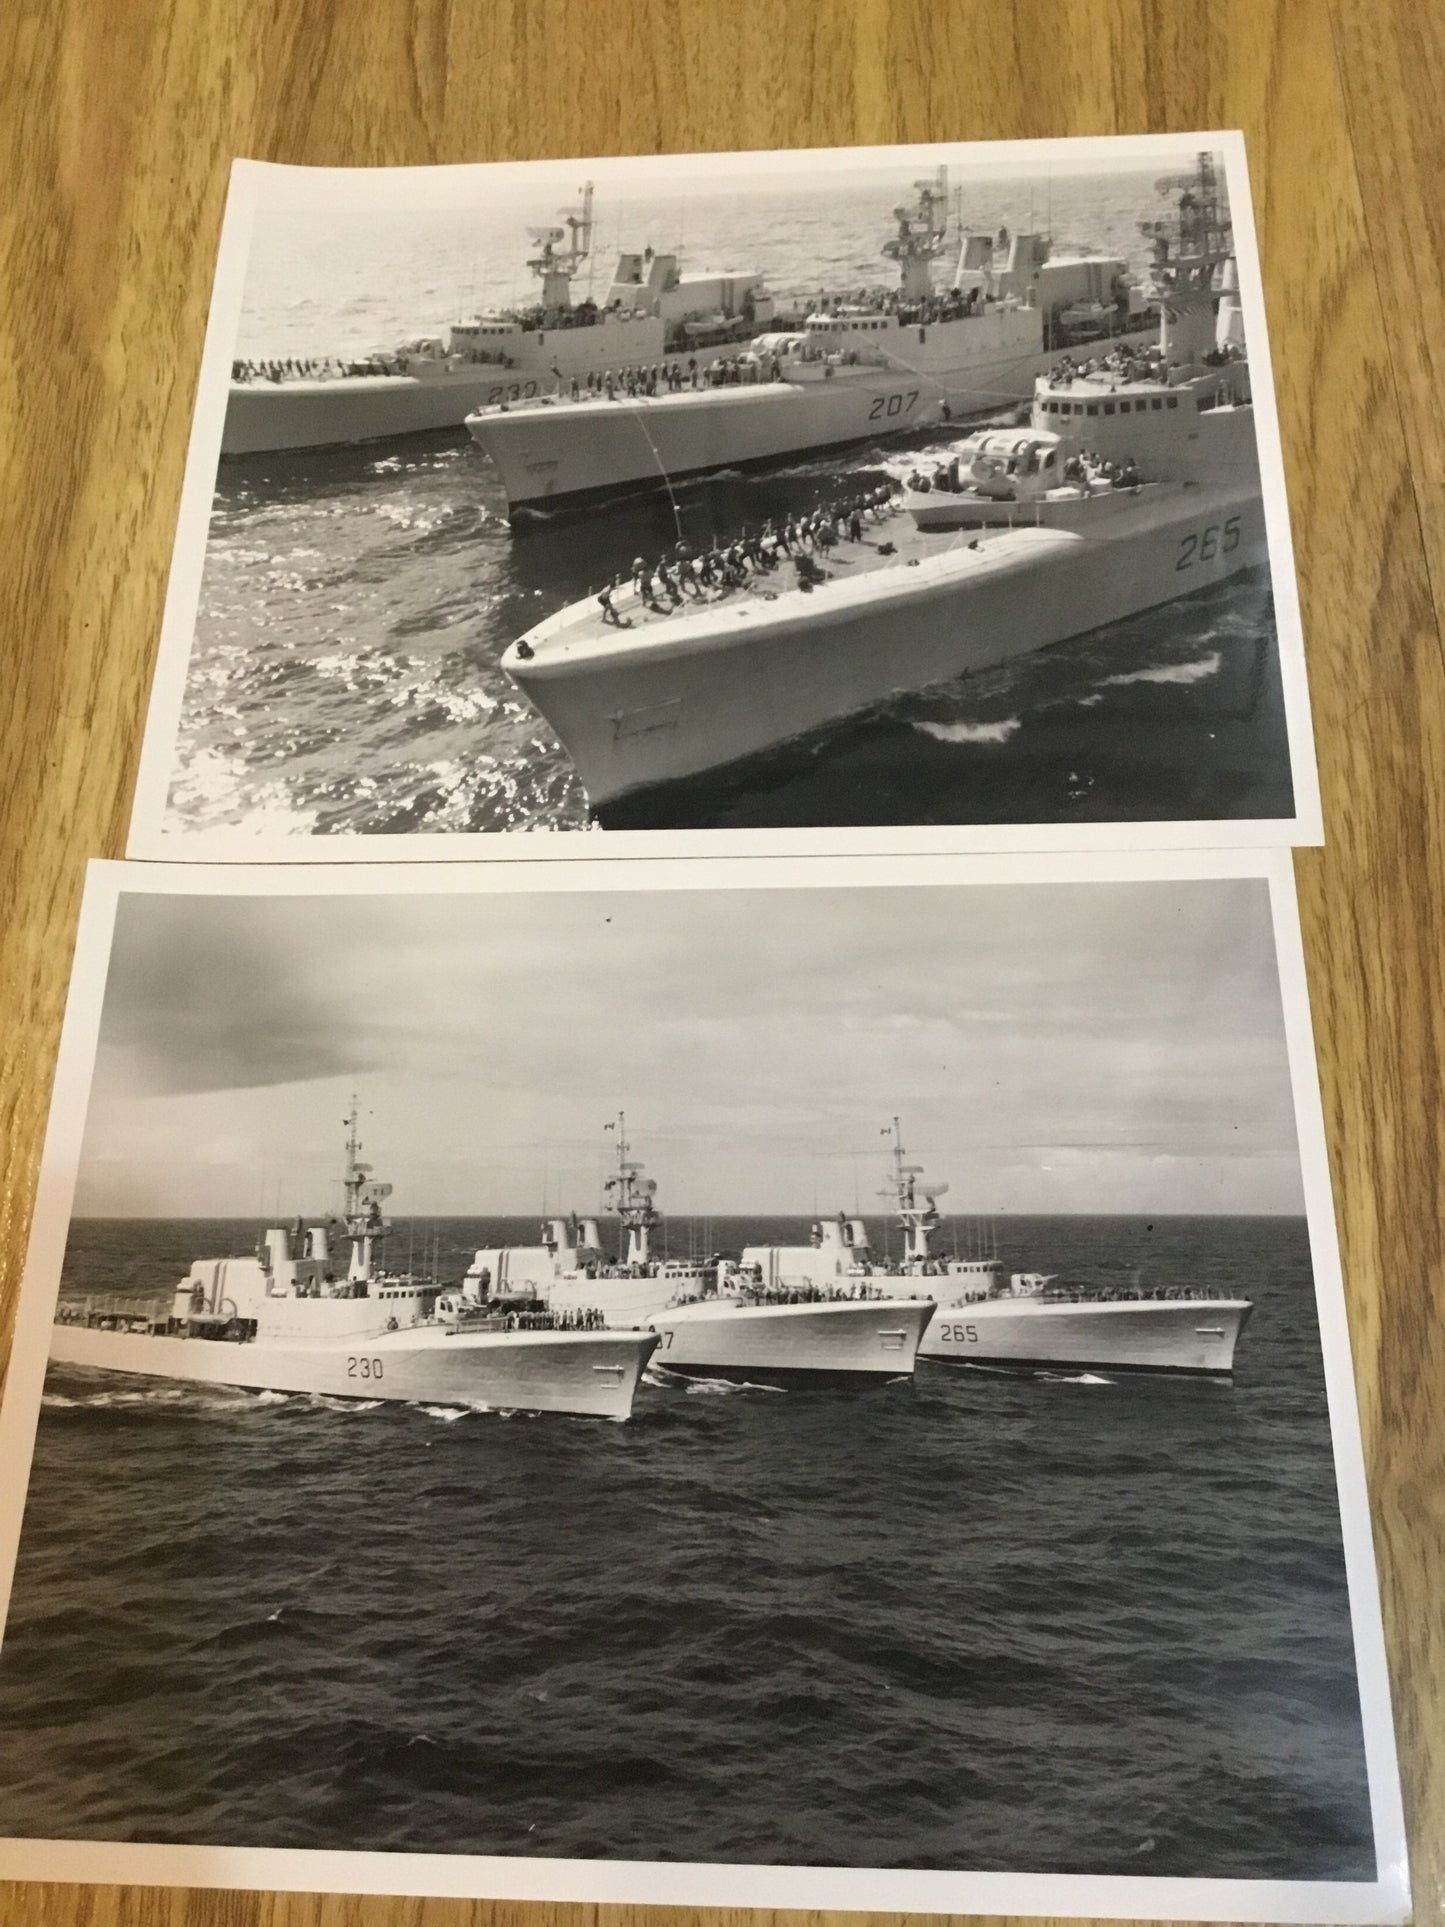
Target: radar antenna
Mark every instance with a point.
(631, 1194)
(912, 1196)
(922, 232)
(1192, 251)
(365, 1225)
(1193, 240)
(561, 250)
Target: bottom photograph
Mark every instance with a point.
(825, 1389)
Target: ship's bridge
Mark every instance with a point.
(1063, 404)
(850, 321)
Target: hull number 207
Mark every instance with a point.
(890, 405)
(1220, 538)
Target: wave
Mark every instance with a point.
(1182, 673)
(972, 732)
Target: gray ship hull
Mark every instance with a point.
(833, 1341)
(593, 1374)
(552, 450)
(267, 417)
(1186, 1336)
(709, 684)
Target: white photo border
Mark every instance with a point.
(1385, 1899)
(259, 187)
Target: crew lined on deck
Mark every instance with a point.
(687, 575)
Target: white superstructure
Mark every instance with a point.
(857, 368)
(289, 1318)
(715, 1319)
(652, 316)
(1158, 496)
(1023, 1321)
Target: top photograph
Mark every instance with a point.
(912, 498)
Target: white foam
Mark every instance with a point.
(972, 732)
(1182, 673)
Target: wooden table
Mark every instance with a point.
(120, 117)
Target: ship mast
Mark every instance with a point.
(561, 251)
(365, 1225)
(1189, 247)
(922, 230)
(912, 1196)
(631, 1196)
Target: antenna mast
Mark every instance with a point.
(922, 232)
(561, 251)
(365, 1226)
(913, 1196)
(632, 1197)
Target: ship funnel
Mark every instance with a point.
(591, 1239)
(975, 257)
(278, 1248)
(317, 1245)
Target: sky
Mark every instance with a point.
(1099, 1047)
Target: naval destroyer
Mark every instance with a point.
(1135, 483)
(289, 1319)
(653, 316)
(713, 1319)
(859, 367)
(1030, 1321)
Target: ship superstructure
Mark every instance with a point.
(291, 1318)
(712, 1320)
(1027, 1320)
(652, 317)
(858, 367)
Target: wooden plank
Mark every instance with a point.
(117, 138)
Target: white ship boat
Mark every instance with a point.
(1028, 1321)
(653, 316)
(287, 1320)
(857, 369)
(713, 1320)
(1157, 496)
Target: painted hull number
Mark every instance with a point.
(363, 1368)
(887, 406)
(958, 1334)
(1216, 540)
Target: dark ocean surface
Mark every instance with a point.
(355, 605)
(1053, 1624)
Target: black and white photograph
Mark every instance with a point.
(827, 1389)
(854, 499)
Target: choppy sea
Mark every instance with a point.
(1054, 1624)
(356, 603)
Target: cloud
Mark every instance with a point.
(1128, 1036)
(221, 994)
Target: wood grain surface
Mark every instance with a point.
(119, 118)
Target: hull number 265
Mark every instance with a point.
(1217, 539)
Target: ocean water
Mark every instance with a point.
(1055, 1624)
(355, 604)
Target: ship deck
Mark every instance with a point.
(763, 394)
(853, 573)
